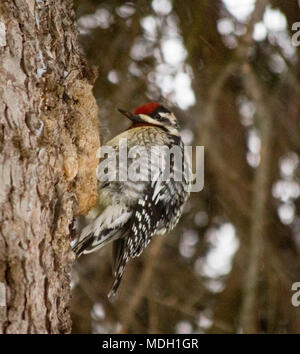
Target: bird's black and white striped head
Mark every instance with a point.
(153, 114)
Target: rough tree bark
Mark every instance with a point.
(49, 136)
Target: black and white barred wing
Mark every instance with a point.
(157, 213)
(143, 226)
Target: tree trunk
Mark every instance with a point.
(49, 136)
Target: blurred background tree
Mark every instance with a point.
(231, 72)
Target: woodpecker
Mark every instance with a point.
(130, 212)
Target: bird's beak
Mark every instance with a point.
(133, 117)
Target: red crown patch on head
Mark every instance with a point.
(147, 108)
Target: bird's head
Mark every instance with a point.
(153, 114)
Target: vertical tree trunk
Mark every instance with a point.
(49, 135)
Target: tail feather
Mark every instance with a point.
(114, 287)
(118, 276)
(105, 228)
(81, 245)
(121, 257)
(89, 242)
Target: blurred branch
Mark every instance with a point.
(172, 303)
(209, 136)
(207, 129)
(154, 317)
(261, 190)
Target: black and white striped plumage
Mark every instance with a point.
(130, 212)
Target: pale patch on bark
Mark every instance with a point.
(87, 144)
(2, 34)
(2, 295)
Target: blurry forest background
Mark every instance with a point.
(230, 70)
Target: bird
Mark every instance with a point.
(150, 201)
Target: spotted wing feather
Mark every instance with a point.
(145, 219)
